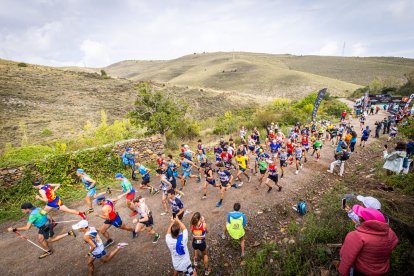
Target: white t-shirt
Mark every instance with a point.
(180, 262)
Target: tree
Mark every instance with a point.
(157, 111)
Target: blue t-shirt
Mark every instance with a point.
(38, 217)
(142, 170)
(176, 205)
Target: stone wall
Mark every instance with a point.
(146, 148)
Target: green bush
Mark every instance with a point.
(46, 132)
(101, 163)
(24, 155)
(22, 64)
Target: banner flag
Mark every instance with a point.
(319, 98)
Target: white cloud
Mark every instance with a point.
(358, 49)
(329, 49)
(95, 54)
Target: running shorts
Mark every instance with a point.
(100, 255)
(211, 182)
(189, 271)
(117, 222)
(364, 138)
(224, 184)
(130, 196)
(242, 169)
(186, 173)
(46, 231)
(149, 222)
(180, 217)
(91, 192)
(298, 158)
(262, 171)
(56, 203)
(199, 244)
(274, 178)
(203, 165)
(283, 163)
(145, 180)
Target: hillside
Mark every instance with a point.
(265, 74)
(46, 98)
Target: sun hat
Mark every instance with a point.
(80, 171)
(119, 175)
(370, 202)
(368, 213)
(81, 224)
(99, 198)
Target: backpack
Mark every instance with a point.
(302, 208)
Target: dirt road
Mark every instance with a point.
(142, 257)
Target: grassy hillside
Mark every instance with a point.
(53, 103)
(258, 74)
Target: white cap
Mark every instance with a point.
(81, 224)
(370, 202)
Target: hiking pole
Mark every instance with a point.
(23, 237)
(66, 221)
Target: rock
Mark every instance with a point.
(242, 263)
(317, 212)
(226, 265)
(285, 240)
(259, 212)
(271, 261)
(256, 244)
(292, 241)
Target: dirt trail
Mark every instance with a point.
(141, 256)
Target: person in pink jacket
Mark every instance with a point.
(367, 250)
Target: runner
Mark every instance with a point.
(226, 158)
(165, 187)
(365, 136)
(40, 219)
(146, 179)
(305, 144)
(177, 205)
(200, 146)
(160, 160)
(274, 149)
(96, 247)
(145, 221)
(242, 160)
(199, 230)
(90, 186)
(362, 121)
(128, 192)
(290, 146)
(47, 195)
(236, 221)
(111, 218)
(272, 175)
(177, 243)
(283, 156)
(202, 161)
(242, 133)
(208, 171)
(262, 169)
(226, 179)
(299, 150)
(317, 146)
(128, 158)
(186, 167)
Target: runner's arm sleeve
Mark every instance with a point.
(244, 220)
(185, 236)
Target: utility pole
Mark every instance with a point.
(343, 49)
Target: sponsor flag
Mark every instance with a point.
(319, 98)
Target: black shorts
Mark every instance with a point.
(145, 180)
(199, 244)
(174, 185)
(274, 178)
(203, 165)
(180, 217)
(149, 222)
(224, 184)
(262, 172)
(46, 231)
(363, 138)
(283, 163)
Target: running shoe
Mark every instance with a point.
(72, 233)
(82, 215)
(280, 188)
(181, 193)
(329, 171)
(204, 197)
(156, 192)
(121, 244)
(133, 214)
(108, 191)
(89, 211)
(134, 234)
(186, 212)
(281, 176)
(218, 205)
(108, 242)
(163, 213)
(241, 184)
(45, 254)
(269, 190)
(301, 166)
(206, 271)
(250, 179)
(296, 172)
(156, 238)
(223, 236)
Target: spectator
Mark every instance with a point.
(353, 141)
(394, 161)
(378, 126)
(410, 148)
(344, 155)
(367, 250)
(236, 221)
(177, 239)
(343, 115)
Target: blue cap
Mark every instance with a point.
(80, 171)
(119, 175)
(128, 149)
(99, 198)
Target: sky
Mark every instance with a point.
(96, 33)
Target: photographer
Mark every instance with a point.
(394, 161)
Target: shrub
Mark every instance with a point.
(21, 64)
(24, 155)
(46, 132)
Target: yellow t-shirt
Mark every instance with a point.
(242, 161)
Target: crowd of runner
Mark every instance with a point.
(223, 168)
